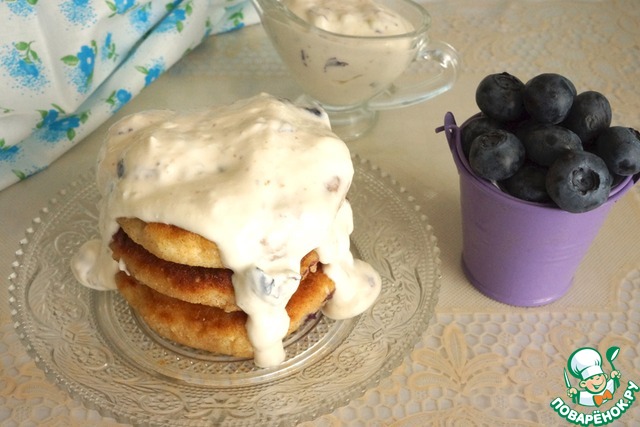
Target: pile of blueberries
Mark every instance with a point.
(543, 142)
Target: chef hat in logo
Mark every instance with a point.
(585, 363)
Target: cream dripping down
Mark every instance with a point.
(262, 178)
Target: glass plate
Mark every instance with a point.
(91, 345)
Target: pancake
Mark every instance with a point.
(172, 243)
(210, 328)
(199, 285)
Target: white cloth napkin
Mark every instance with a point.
(67, 65)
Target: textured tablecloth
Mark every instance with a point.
(479, 362)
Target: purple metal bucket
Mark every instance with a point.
(517, 252)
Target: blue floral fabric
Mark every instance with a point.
(66, 66)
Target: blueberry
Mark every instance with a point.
(619, 147)
(314, 110)
(544, 143)
(521, 128)
(528, 183)
(499, 96)
(548, 97)
(496, 155)
(120, 169)
(475, 128)
(589, 115)
(267, 286)
(616, 179)
(578, 181)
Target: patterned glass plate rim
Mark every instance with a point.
(90, 345)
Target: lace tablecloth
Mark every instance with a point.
(479, 362)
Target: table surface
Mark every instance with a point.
(479, 362)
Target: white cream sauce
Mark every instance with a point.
(264, 179)
(343, 71)
(350, 17)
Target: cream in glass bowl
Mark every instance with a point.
(352, 56)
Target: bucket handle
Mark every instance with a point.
(450, 127)
(451, 130)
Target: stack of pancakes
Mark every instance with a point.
(175, 281)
